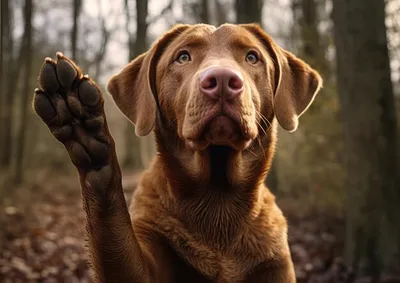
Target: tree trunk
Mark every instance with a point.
(26, 92)
(369, 125)
(220, 11)
(105, 37)
(309, 29)
(248, 11)
(7, 86)
(141, 27)
(2, 102)
(77, 5)
(306, 21)
(204, 14)
(2, 24)
(210, 13)
(147, 143)
(137, 149)
(131, 141)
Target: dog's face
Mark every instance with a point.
(220, 74)
(218, 86)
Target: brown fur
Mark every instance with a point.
(201, 213)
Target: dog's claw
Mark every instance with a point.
(59, 55)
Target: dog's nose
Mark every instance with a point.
(217, 82)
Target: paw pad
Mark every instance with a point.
(88, 93)
(66, 73)
(72, 107)
(48, 78)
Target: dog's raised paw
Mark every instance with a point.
(72, 107)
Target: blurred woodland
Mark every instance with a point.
(337, 178)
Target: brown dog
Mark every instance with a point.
(201, 213)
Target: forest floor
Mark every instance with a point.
(42, 236)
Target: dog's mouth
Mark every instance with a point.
(221, 130)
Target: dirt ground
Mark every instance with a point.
(44, 241)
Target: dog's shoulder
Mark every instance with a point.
(262, 238)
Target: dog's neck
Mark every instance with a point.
(213, 192)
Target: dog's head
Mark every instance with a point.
(215, 85)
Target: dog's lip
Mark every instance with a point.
(203, 144)
(200, 141)
(221, 130)
(215, 113)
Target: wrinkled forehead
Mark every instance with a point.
(208, 38)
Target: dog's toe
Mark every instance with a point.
(67, 73)
(88, 93)
(48, 78)
(78, 154)
(43, 106)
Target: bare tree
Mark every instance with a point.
(147, 144)
(77, 7)
(131, 142)
(27, 53)
(92, 53)
(7, 82)
(141, 27)
(221, 15)
(306, 14)
(105, 37)
(14, 66)
(134, 155)
(212, 12)
(2, 102)
(2, 27)
(248, 11)
(371, 148)
(204, 14)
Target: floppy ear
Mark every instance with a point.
(134, 88)
(296, 83)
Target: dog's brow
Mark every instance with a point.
(242, 43)
(193, 41)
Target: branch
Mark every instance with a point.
(164, 11)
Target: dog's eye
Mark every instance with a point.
(252, 57)
(183, 57)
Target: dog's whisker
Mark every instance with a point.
(252, 152)
(262, 148)
(262, 129)
(264, 119)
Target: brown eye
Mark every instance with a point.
(252, 57)
(183, 57)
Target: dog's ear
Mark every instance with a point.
(295, 83)
(134, 88)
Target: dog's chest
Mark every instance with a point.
(229, 264)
